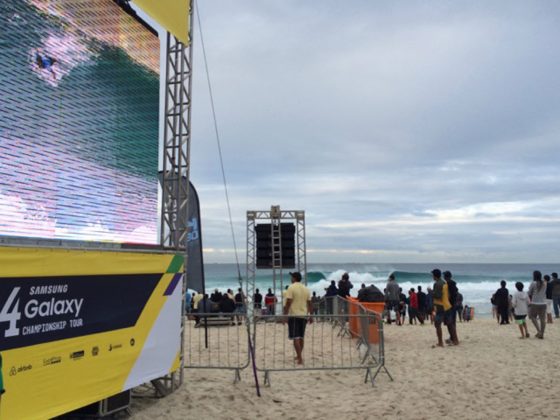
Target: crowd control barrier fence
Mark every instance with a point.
(217, 341)
(351, 337)
(324, 347)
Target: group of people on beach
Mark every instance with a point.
(217, 302)
(419, 304)
(536, 303)
(442, 305)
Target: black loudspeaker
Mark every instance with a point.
(265, 245)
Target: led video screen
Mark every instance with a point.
(79, 106)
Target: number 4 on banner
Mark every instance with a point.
(11, 316)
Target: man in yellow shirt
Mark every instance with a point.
(297, 307)
(441, 303)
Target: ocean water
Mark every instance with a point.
(79, 138)
(476, 282)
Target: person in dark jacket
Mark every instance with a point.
(344, 286)
(549, 287)
(452, 291)
(403, 301)
(330, 296)
(226, 304)
(257, 300)
(422, 310)
(556, 294)
(501, 299)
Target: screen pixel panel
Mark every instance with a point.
(78, 122)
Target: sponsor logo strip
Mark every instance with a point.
(44, 309)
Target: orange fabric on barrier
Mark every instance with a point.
(378, 308)
(353, 321)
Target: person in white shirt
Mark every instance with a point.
(520, 303)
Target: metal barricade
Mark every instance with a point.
(217, 341)
(325, 347)
(372, 338)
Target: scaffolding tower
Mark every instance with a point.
(175, 174)
(275, 216)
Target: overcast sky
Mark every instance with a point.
(407, 131)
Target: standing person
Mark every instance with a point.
(230, 294)
(452, 292)
(537, 305)
(459, 306)
(549, 287)
(556, 294)
(297, 306)
(501, 297)
(392, 295)
(520, 303)
(495, 313)
(421, 305)
(344, 286)
(330, 296)
(270, 302)
(315, 303)
(430, 304)
(239, 305)
(412, 306)
(441, 303)
(403, 301)
(257, 301)
(195, 302)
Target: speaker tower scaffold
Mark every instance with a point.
(275, 241)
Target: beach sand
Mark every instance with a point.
(491, 374)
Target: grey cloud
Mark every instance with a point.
(382, 111)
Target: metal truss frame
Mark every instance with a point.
(176, 168)
(274, 216)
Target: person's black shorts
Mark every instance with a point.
(443, 316)
(519, 317)
(393, 305)
(296, 327)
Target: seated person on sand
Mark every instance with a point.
(216, 296)
(227, 306)
(201, 305)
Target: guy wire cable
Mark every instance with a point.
(240, 279)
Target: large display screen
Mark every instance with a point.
(79, 105)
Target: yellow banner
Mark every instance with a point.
(77, 327)
(173, 15)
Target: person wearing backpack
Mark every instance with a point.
(452, 291)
